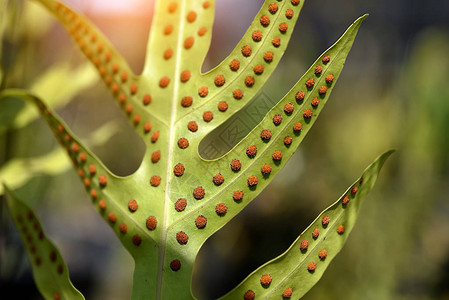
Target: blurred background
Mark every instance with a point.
(393, 93)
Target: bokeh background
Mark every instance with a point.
(393, 93)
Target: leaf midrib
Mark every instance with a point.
(171, 140)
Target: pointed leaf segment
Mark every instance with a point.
(49, 269)
(130, 91)
(298, 269)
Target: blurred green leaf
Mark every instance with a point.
(49, 269)
(60, 84)
(3, 18)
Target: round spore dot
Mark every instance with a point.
(186, 101)
(288, 140)
(315, 233)
(322, 90)
(315, 102)
(308, 113)
(311, 267)
(318, 70)
(168, 29)
(202, 31)
(354, 190)
(249, 295)
(156, 156)
(221, 209)
(234, 65)
(178, 170)
(191, 17)
(345, 200)
(203, 91)
(168, 53)
(183, 143)
(237, 196)
(265, 21)
(265, 280)
(192, 126)
(329, 78)
(252, 181)
(341, 229)
(218, 179)
(288, 108)
(155, 180)
(222, 106)
(102, 204)
(219, 80)
(147, 127)
(175, 265)
(236, 165)
(249, 81)
(304, 245)
(237, 94)
(112, 217)
(326, 59)
(155, 136)
(258, 69)
(297, 127)
(182, 238)
(164, 82)
(188, 42)
(276, 41)
(310, 82)
(295, 2)
(251, 151)
(287, 294)
(266, 169)
(199, 193)
(277, 119)
(185, 75)
(151, 222)
(273, 8)
(257, 36)
(92, 169)
(265, 135)
(325, 221)
(300, 96)
(103, 180)
(129, 109)
(289, 13)
(146, 99)
(180, 204)
(322, 254)
(208, 116)
(283, 27)
(137, 240)
(53, 256)
(277, 155)
(268, 56)
(86, 182)
(172, 7)
(123, 228)
(200, 222)
(246, 50)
